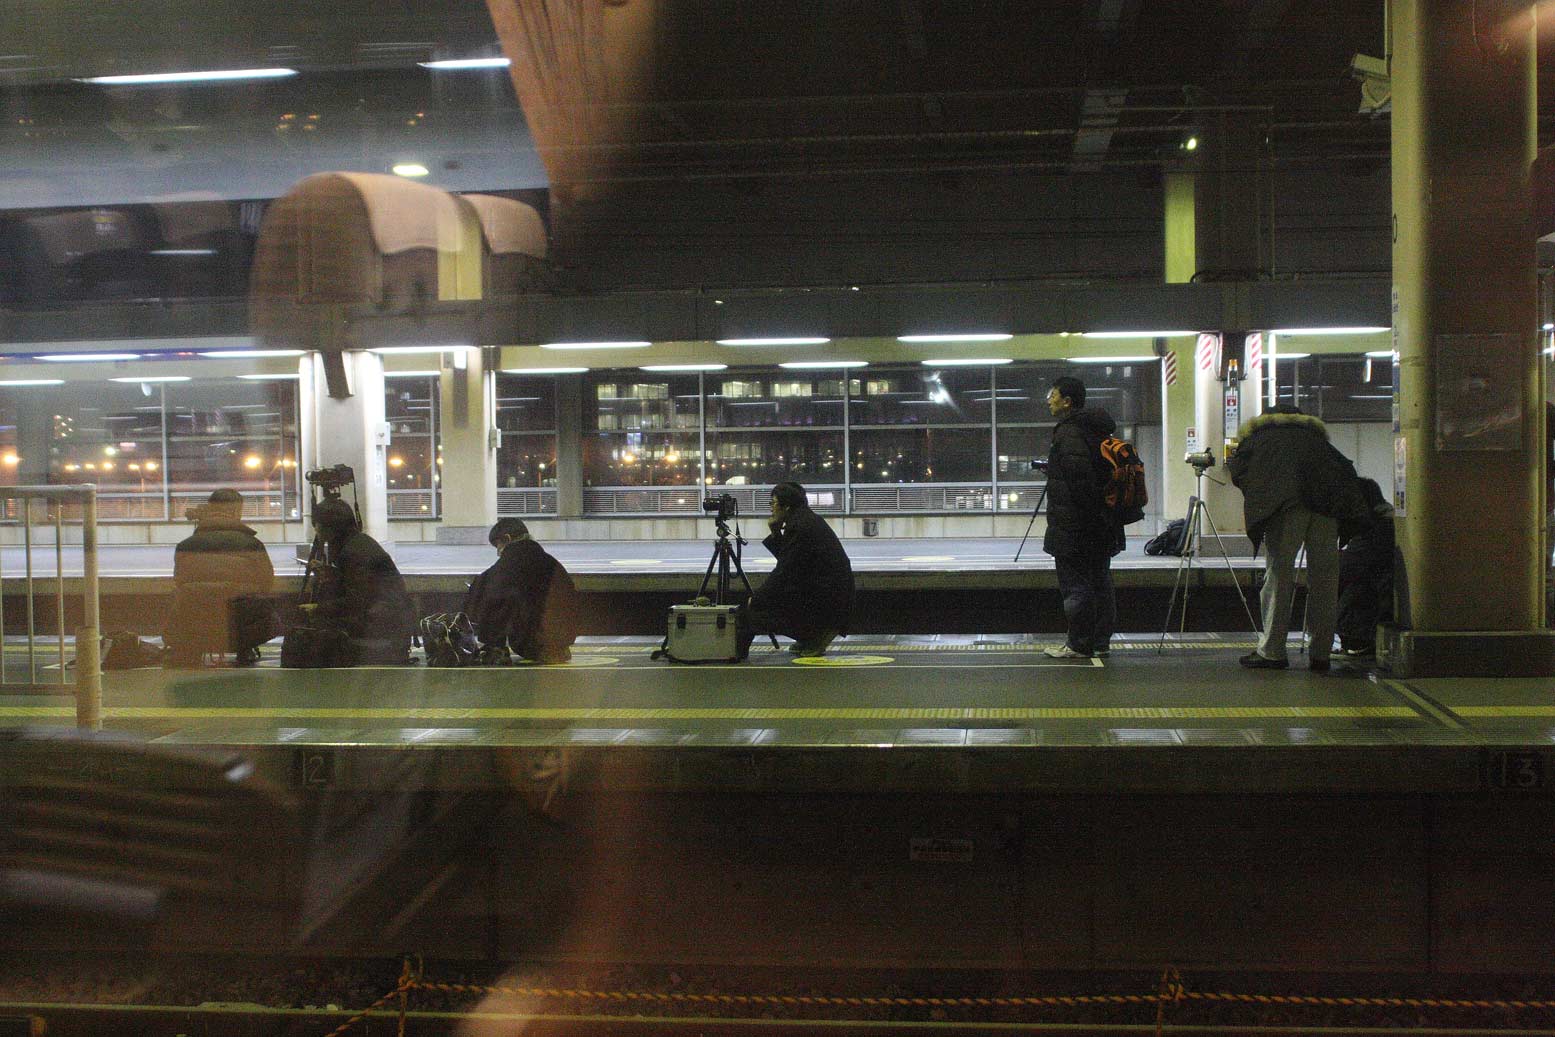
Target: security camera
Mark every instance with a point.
(1376, 84)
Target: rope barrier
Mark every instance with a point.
(1171, 990)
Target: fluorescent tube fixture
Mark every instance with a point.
(595, 345)
(410, 169)
(411, 374)
(816, 365)
(462, 64)
(182, 252)
(545, 370)
(417, 350)
(1330, 331)
(267, 377)
(135, 380)
(1381, 354)
(1547, 327)
(814, 341)
(213, 76)
(20, 382)
(1136, 334)
(244, 354)
(1295, 356)
(686, 367)
(1111, 359)
(968, 362)
(970, 336)
(85, 358)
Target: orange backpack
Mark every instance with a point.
(1124, 492)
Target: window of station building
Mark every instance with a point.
(1347, 388)
(411, 408)
(774, 399)
(109, 434)
(641, 429)
(931, 455)
(922, 396)
(526, 414)
(229, 433)
(951, 408)
(1130, 392)
(764, 458)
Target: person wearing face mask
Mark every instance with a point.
(525, 601)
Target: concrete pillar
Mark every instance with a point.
(1465, 321)
(34, 424)
(1231, 192)
(353, 431)
(1178, 399)
(569, 446)
(468, 408)
(1224, 500)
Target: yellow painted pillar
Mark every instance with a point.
(467, 400)
(1466, 322)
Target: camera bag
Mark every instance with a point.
(703, 634)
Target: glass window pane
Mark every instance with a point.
(237, 434)
(527, 460)
(1354, 388)
(766, 398)
(109, 434)
(526, 404)
(1131, 393)
(765, 458)
(920, 455)
(921, 396)
(409, 406)
(1018, 447)
(640, 402)
(640, 459)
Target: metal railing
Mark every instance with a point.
(642, 501)
(45, 512)
(518, 501)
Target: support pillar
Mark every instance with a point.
(1465, 322)
(353, 431)
(1177, 400)
(569, 446)
(467, 404)
(1223, 499)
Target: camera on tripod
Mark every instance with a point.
(725, 506)
(330, 480)
(1201, 460)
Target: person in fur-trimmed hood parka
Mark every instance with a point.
(1298, 491)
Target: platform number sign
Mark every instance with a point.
(313, 768)
(1516, 770)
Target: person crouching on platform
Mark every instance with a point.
(1081, 535)
(219, 563)
(362, 592)
(808, 596)
(525, 602)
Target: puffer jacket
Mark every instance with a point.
(1078, 522)
(1283, 460)
(221, 560)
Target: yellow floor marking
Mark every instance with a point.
(637, 561)
(846, 660)
(1492, 712)
(929, 558)
(920, 646)
(575, 661)
(636, 714)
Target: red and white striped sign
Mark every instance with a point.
(1169, 368)
(1254, 352)
(1209, 345)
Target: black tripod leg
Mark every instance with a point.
(750, 593)
(1034, 513)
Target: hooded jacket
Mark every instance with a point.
(1078, 521)
(525, 599)
(1283, 460)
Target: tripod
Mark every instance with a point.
(1034, 513)
(1198, 517)
(725, 562)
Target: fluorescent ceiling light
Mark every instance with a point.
(1330, 331)
(182, 252)
(417, 350)
(1293, 356)
(545, 370)
(152, 378)
(815, 341)
(1111, 359)
(85, 358)
(242, 354)
(214, 76)
(411, 374)
(460, 64)
(18, 382)
(595, 345)
(686, 367)
(266, 377)
(971, 336)
(410, 169)
(1547, 327)
(806, 365)
(968, 362)
(1136, 334)
(1379, 354)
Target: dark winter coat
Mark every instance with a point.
(1283, 460)
(811, 587)
(1078, 521)
(525, 599)
(363, 593)
(221, 560)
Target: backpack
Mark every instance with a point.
(1170, 541)
(1124, 491)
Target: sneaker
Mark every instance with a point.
(1254, 661)
(1064, 652)
(1319, 665)
(1102, 653)
(815, 647)
(248, 657)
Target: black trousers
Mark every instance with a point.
(757, 622)
(1090, 606)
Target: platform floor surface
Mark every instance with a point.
(631, 556)
(869, 690)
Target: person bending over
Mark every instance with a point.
(809, 594)
(525, 601)
(222, 560)
(361, 591)
(1081, 535)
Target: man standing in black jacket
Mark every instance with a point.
(526, 600)
(1082, 535)
(809, 594)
